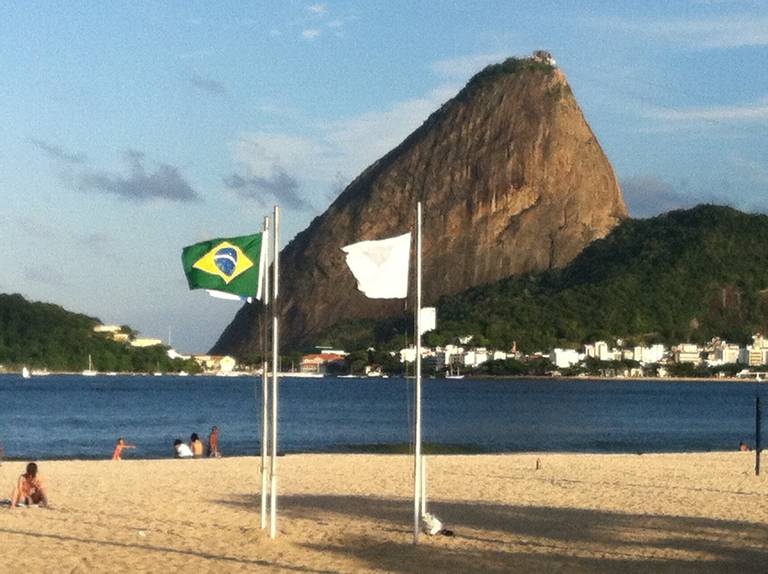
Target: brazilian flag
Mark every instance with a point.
(229, 264)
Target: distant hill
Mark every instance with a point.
(686, 275)
(42, 335)
(511, 178)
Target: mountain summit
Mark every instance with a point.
(511, 178)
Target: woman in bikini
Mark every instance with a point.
(29, 490)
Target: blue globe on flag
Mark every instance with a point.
(226, 260)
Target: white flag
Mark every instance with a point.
(381, 267)
(228, 296)
(427, 320)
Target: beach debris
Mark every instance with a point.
(538, 464)
(432, 525)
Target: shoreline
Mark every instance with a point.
(383, 450)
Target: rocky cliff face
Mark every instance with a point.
(511, 178)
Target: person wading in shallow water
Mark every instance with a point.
(29, 489)
(213, 443)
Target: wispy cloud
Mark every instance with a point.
(279, 186)
(757, 112)
(165, 182)
(648, 195)
(310, 33)
(343, 147)
(317, 8)
(208, 85)
(58, 153)
(727, 31)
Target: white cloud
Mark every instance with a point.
(465, 66)
(757, 112)
(317, 8)
(310, 34)
(339, 150)
(731, 31)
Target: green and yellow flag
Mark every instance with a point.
(228, 264)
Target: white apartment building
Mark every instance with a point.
(687, 353)
(564, 358)
(475, 357)
(652, 354)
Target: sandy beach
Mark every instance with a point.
(352, 513)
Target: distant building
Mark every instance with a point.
(599, 350)
(649, 355)
(146, 342)
(107, 329)
(218, 363)
(756, 353)
(544, 56)
(686, 353)
(114, 332)
(319, 362)
(722, 353)
(564, 358)
(475, 357)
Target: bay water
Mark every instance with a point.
(70, 416)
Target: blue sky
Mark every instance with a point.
(132, 129)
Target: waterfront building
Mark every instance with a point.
(686, 353)
(564, 358)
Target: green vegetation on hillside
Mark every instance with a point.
(687, 275)
(42, 335)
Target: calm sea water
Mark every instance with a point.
(76, 417)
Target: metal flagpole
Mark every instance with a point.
(417, 486)
(265, 380)
(275, 362)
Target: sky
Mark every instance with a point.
(132, 129)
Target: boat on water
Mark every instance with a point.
(25, 374)
(89, 372)
(451, 374)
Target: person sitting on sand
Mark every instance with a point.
(743, 447)
(29, 489)
(196, 445)
(121, 444)
(213, 443)
(181, 450)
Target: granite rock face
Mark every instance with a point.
(511, 179)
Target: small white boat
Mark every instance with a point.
(25, 374)
(89, 372)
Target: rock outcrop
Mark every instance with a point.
(511, 178)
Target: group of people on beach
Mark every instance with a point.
(30, 491)
(195, 448)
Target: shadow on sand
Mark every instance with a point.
(499, 538)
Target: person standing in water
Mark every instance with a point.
(213, 443)
(121, 444)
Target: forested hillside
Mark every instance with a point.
(686, 275)
(42, 335)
